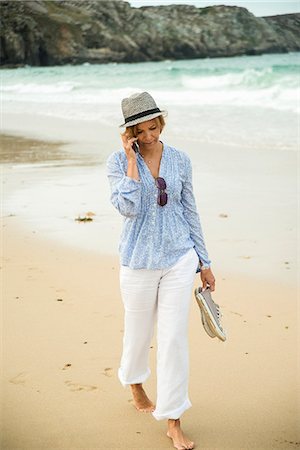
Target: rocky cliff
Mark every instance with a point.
(72, 32)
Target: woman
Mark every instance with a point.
(161, 249)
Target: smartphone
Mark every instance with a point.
(135, 147)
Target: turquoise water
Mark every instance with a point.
(248, 100)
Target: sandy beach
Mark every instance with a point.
(62, 313)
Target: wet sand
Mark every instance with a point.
(63, 316)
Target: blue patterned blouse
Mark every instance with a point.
(153, 236)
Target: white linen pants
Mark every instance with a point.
(163, 295)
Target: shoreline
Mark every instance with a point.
(46, 192)
(116, 62)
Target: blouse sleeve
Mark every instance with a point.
(125, 191)
(192, 217)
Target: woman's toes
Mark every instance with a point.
(179, 446)
(180, 442)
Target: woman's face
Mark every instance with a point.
(148, 133)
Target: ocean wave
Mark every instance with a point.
(39, 88)
(270, 81)
(277, 97)
(249, 78)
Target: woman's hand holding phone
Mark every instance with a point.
(128, 145)
(132, 170)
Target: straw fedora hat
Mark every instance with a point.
(138, 108)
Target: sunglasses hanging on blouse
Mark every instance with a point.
(162, 197)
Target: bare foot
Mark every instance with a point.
(140, 399)
(180, 441)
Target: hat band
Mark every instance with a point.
(142, 114)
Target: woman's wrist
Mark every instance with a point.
(131, 160)
(132, 170)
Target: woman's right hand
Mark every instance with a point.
(132, 170)
(127, 145)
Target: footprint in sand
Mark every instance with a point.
(21, 378)
(292, 443)
(108, 372)
(80, 387)
(66, 366)
(236, 313)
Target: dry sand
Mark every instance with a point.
(62, 335)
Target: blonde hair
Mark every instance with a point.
(131, 132)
